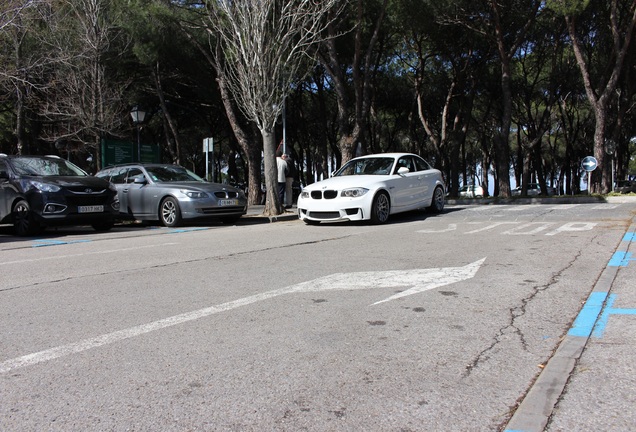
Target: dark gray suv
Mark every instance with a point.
(41, 191)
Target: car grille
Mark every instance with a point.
(221, 210)
(324, 215)
(81, 196)
(226, 194)
(326, 194)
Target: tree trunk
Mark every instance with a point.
(602, 176)
(273, 206)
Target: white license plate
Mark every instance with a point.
(231, 202)
(90, 209)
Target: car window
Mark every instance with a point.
(172, 173)
(118, 175)
(421, 164)
(367, 166)
(34, 166)
(3, 168)
(405, 162)
(104, 174)
(134, 173)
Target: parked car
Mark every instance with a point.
(41, 191)
(372, 188)
(172, 194)
(471, 191)
(533, 190)
(625, 186)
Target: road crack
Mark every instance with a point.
(515, 313)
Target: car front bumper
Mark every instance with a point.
(335, 210)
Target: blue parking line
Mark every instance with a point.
(182, 230)
(42, 243)
(630, 237)
(584, 323)
(620, 259)
(599, 329)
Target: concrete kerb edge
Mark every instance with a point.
(536, 408)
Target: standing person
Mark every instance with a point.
(289, 181)
(281, 165)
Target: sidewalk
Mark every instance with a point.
(255, 214)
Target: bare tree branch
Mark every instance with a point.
(267, 46)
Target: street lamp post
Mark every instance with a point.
(138, 117)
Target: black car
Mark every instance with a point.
(41, 191)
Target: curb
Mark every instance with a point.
(255, 214)
(536, 408)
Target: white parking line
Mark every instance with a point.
(605, 207)
(83, 254)
(564, 206)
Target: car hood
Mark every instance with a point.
(198, 186)
(343, 182)
(72, 181)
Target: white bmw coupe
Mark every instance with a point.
(372, 188)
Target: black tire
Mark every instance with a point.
(381, 208)
(103, 226)
(24, 223)
(437, 203)
(169, 212)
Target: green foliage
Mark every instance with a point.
(567, 7)
(425, 47)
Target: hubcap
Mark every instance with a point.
(168, 212)
(21, 216)
(382, 208)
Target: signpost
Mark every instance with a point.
(589, 164)
(208, 147)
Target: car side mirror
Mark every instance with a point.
(403, 170)
(140, 180)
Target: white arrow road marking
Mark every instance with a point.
(426, 279)
(419, 280)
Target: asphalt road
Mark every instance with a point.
(428, 323)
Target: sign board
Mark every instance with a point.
(116, 152)
(208, 148)
(589, 163)
(208, 145)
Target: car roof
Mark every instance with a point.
(394, 155)
(4, 155)
(142, 164)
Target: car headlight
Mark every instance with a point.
(194, 194)
(45, 187)
(304, 194)
(353, 192)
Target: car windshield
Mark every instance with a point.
(367, 166)
(34, 166)
(172, 173)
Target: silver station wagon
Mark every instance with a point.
(172, 195)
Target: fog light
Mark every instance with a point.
(54, 208)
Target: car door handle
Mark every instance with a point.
(124, 190)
